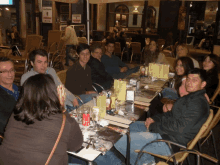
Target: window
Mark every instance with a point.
(121, 16)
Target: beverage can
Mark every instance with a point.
(86, 119)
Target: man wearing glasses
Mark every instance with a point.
(9, 92)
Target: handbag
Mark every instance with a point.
(57, 141)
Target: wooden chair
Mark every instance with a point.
(54, 37)
(205, 136)
(216, 50)
(117, 50)
(197, 153)
(56, 60)
(62, 76)
(217, 91)
(171, 61)
(136, 50)
(180, 157)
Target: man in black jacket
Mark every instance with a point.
(98, 73)
(180, 125)
(9, 92)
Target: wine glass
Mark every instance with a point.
(79, 112)
(95, 118)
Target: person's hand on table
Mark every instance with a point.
(90, 92)
(148, 122)
(75, 103)
(123, 69)
(167, 107)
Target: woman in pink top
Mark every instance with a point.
(183, 65)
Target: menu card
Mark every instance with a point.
(159, 70)
(120, 89)
(101, 103)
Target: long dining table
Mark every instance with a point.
(118, 124)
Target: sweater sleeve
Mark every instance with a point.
(89, 84)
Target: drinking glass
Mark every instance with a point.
(95, 118)
(79, 112)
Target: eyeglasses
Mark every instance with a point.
(8, 71)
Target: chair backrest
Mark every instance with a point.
(32, 42)
(217, 91)
(54, 37)
(182, 156)
(213, 123)
(171, 61)
(62, 76)
(136, 47)
(216, 50)
(117, 47)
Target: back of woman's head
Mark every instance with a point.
(38, 100)
(187, 64)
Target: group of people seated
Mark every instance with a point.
(34, 112)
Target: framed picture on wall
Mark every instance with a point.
(64, 8)
(64, 17)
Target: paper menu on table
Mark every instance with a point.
(122, 90)
(101, 103)
(158, 70)
(118, 119)
(88, 154)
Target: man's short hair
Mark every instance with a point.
(35, 52)
(5, 59)
(110, 41)
(82, 47)
(95, 46)
(200, 72)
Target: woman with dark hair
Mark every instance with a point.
(153, 54)
(34, 127)
(78, 76)
(210, 65)
(183, 66)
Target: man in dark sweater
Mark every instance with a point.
(113, 65)
(9, 92)
(98, 73)
(180, 125)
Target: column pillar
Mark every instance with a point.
(23, 21)
(54, 15)
(37, 15)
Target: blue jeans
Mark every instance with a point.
(84, 97)
(139, 137)
(68, 56)
(170, 93)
